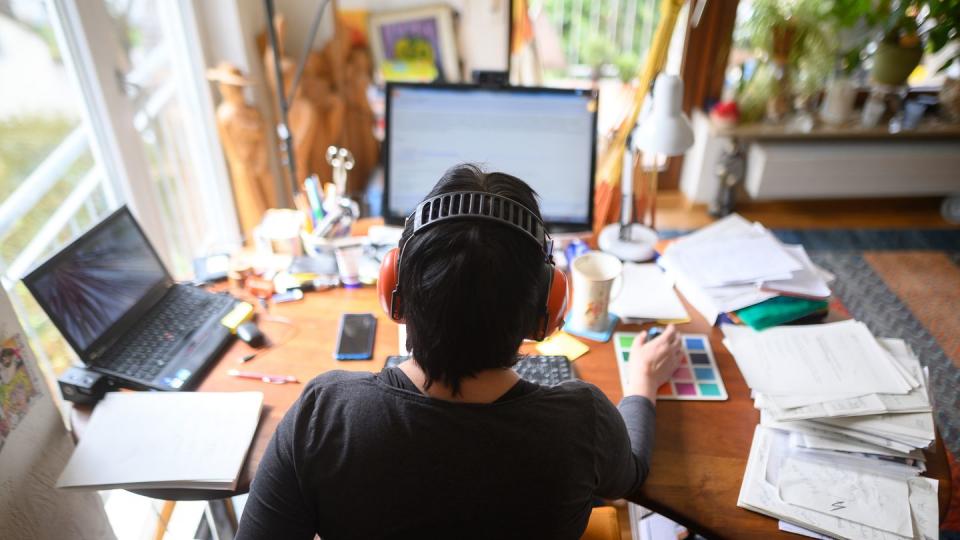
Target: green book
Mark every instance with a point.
(779, 310)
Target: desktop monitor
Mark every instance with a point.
(544, 136)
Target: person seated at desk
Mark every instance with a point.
(452, 443)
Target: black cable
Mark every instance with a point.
(307, 45)
(283, 129)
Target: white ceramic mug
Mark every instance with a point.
(348, 264)
(594, 274)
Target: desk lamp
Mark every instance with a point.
(664, 131)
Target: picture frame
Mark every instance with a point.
(416, 45)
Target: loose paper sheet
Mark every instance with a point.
(712, 301)
(806, 282)
(769, 449)
(836, 358)
(925, 506)
(647, 294)
(871, 499)
(736, 260)
(165, 439)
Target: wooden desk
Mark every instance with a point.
(701, 447)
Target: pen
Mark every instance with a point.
(265, 377)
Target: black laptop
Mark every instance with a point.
(112, 299)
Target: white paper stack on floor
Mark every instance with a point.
(733, 263)
(844, 419)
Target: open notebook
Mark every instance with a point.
(138, 440)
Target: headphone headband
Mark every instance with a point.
(479, 205)
(476, 205)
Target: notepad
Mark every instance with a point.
(648, 295)
(563, 344)
(696, 379)
(138, 440)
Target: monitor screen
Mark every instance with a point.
(546, 137)
(93, 282)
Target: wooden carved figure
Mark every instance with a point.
(243, 136)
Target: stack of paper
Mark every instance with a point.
(844, 419)
(732, 264)
(647, 295)
(192, 440)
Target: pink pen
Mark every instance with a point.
(265, 377)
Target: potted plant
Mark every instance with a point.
(907, 26)
(899, 51)
(793, 51)
(852, 23)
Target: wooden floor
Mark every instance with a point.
(674, 212)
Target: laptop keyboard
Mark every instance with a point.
(147, 347)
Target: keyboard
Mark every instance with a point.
(147, 347)
(545, 370)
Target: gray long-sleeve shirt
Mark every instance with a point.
(363, 455)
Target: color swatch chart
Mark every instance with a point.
(697, 378)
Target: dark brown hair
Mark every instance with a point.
(470, 286)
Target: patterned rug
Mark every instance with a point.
(904, 284)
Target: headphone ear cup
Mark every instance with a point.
(556, 301)
(555, 304)
(387, 283)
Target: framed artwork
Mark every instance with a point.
(19, 387)
(416, 45)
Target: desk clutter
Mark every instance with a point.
(156, 440)
(697, 378)
(844, 418)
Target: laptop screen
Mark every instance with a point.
(93, 282)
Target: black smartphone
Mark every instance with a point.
(355, 339)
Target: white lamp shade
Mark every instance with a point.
(665, 129)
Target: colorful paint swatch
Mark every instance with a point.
(682, 374)
(697, 378)
(709, 389)
(699, 358)
(704, 374)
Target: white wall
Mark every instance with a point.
(31, 459)
(483, 28)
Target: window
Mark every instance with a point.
(614, 34)
(102, 106)
(51, 185)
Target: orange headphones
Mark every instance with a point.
(475, 205)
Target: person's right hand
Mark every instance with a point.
(652, 363)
